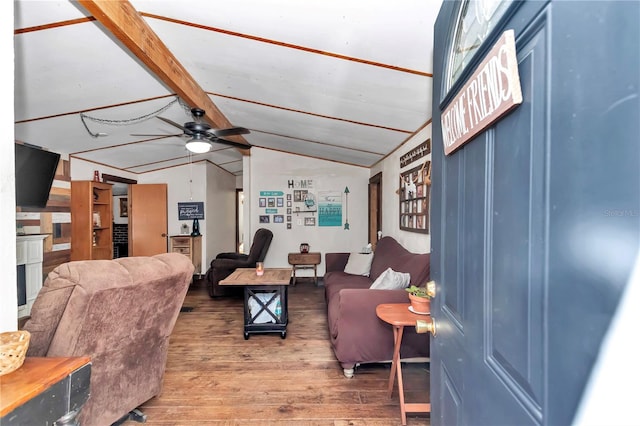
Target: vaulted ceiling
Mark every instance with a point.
(347, 81)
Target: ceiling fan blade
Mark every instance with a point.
(231, 131)
(163, 136)
(215, 139)
(173, 123)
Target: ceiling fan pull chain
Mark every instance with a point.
(93, 135)
(127, 121)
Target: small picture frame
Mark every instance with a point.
(262, 202)
(279, 202)
(271, 202)
(264, 218)
(288, 197)
(309, 221)
(288, 225)
(289, 203)
(124, 210)
(97, 222)
(278, 218)
(184, 229)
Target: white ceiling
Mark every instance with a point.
(346, 80)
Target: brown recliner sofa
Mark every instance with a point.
(120, 313)
(225, 263)
(357, 335)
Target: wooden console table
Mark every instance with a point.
(399, 316)
(45, 390)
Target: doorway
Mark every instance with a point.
(120, 190)
(375, 209)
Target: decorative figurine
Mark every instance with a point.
(196, 228)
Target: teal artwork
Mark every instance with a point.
(329, 208)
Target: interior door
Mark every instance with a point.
(535, 221)
(147, 219)
(375, 208)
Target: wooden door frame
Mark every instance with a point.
(106, 178)
(375, 207)
(238, 242)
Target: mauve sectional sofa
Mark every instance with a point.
(357, 334)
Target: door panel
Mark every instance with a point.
(147, 219)
(516, 212)
(520, 212)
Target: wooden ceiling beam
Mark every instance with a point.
(126, 24)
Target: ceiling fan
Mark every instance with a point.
(202, 135)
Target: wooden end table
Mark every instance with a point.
(399, 316)
(273, 282)
(45, 391)
(309, 260)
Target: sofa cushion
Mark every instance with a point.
(391, 280)
(359, 264)
(336, 281)
(390, 254)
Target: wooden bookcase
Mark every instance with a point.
(91, 220)
(414, 201)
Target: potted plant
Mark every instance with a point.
(420, 299)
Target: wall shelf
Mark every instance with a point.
(414, 199)
(91, 200)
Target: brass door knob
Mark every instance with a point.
(426, 326)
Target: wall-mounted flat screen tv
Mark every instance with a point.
(35, 170)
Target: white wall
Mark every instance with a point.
(220, 213)
(83, 170)
(271, 170)
(179, 189)
(390, 168)
(201, 181)
(8, 290)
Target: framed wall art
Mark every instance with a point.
(124, 210)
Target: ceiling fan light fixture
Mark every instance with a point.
(198, 145)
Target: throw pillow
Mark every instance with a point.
(391, 280)
(359, 264)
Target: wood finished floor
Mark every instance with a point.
(215, 377)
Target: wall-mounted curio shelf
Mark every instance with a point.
(414, 199)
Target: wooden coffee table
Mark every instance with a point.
(274, 283)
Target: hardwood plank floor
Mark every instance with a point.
(216, 377)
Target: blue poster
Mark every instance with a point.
(329, 208)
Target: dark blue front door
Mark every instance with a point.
(536, 221)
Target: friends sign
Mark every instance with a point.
(491, 92)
